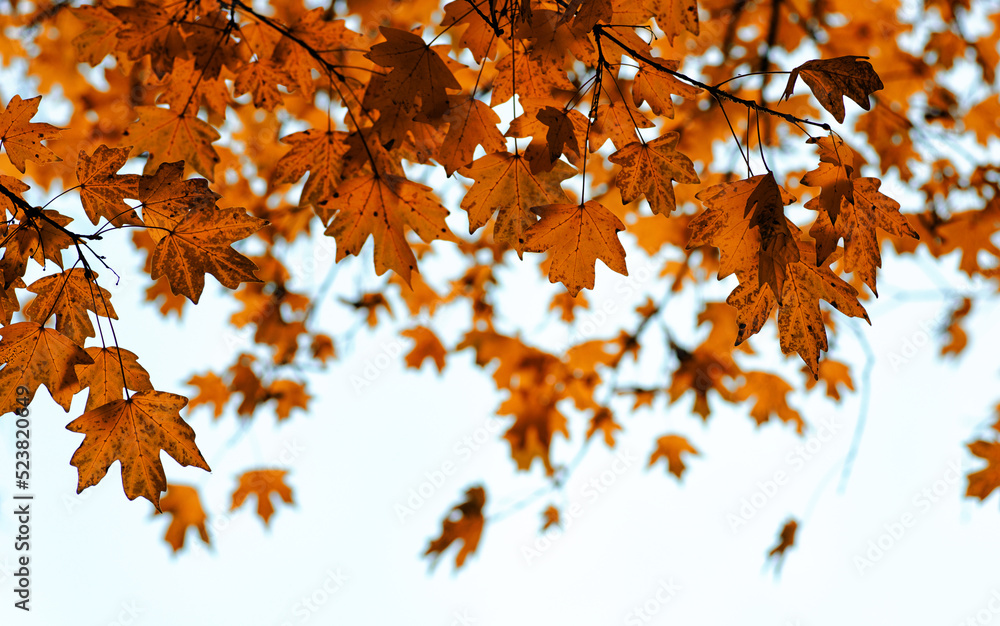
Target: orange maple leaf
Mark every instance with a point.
(184, 506)
(477, 35)
(471, 123)
(468, 528)
(604, 420)
(21, 138)
(983, 482)
(800, 322)
(289, 394)
(833, 374)
(171, 136)
(537, 421)
(321, 153)
(745, 219)
(867, 211)
(838, 165)
(104, 376)
(771, 398)
(69, 296)
(262, 483)
(506, 184)
(134, 432)
(426, 346)
(38, 356)
(33, 238)
(674, 16)
(417, 70)
(576, 235)
(649, 169)
(700, 371)
(654, 86)
(958, 338)
(199, 244)
(832, 79)
(211, 390)
(103, 190)
(380, 206)
(166, 198)
(98, 39)
(671, 447)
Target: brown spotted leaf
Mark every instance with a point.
(134, 432)
(201, 244)
(832, 79)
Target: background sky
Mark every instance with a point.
(898, 542)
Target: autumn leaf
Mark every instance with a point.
(576, 235)
(675, 16)
(700, 371)
(671, 448)
(104, 377)
(417, 70)
(98, 39)
(537, 421)
(550, 518)
(983, 482)
(170, 136)
(746, 221)
(103, 190)
(650, 168)
(371, 304)
(838, 165)
(476, 34)
(262, 483)
(381, 206)
(289, 395)
(426, 346)
(211, 390)
(786, 540)
(604, 421)
(871, 209)
(470, 124)
(800, 323)
(261, 79)
(833, 374)
(958, 339)
(69, 296)
(184, 506)
(321, 153)
(467, 527)
(770, 393)
(506, 185)
(200, 244)
(832, 79)
(166, 198)
(561, 132)
(38, 356)
(655, 86)
(40, 238)
(134, 432)
(21, 138)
